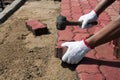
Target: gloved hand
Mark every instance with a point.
(87, 18)
(75, 52)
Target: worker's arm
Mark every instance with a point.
(93, 15)
(106, 34)
(102, 6)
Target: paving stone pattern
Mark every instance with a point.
(100, 63)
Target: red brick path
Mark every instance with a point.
(100, 63)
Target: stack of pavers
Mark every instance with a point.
(100, 63)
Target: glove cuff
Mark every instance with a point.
(87, 44)
(93, 12)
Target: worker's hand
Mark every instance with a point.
(75, 52)
(87, 18)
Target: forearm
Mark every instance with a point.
(102, 6)
(106, 34)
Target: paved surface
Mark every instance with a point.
(100, 63)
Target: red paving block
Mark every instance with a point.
(80, 14)
(75, 3)
(104, 16)
(93, 1)
(75, 17)
(60, 51)
(111, 12)
(57, 52)
(98, 28)
(58, 43)
(105, 51)
(66, 13)
(111, 70)
(89, 64)
(86, 10)
(116, 5)
(87, 76)
(88, 68)
(69, 18)
(103, 23)
(65, 6)
(76, 10)
(32, 22)
(91, 29)
(66, 35)
(80, 36)
(77, 29)
(114, 17)
(93, 6)
(94, 29)
(84, 2)
(86, 7)
(37, 27)
(91, 54)
(69, 28)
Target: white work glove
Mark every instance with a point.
(87, 18)
(75, 52)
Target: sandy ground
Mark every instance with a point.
(26, 57)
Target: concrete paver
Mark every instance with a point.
(87, 76)
(37, 27)
(100, 63)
